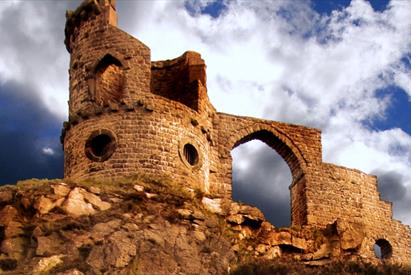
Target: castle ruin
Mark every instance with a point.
(129, 115)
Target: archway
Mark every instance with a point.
(109, 80)
(382, 249)
(262, 178)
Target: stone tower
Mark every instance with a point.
(129, 115)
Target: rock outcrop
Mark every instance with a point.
(140, 226)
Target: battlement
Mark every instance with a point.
(89, 9)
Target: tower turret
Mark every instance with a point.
(107, 67)
(128, 115)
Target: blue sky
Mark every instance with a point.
(340, 66)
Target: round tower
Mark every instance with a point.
(128, 115)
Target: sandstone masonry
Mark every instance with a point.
(129, 115)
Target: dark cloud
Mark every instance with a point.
(391, 185)
(27, 128)
(32, 55)
(263, 183)
(393, 188)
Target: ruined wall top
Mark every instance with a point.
(89, 9)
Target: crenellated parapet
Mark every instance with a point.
(88, 9)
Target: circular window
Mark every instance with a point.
(382, 249)
(190, 154)
(100, 145)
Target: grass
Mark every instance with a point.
(351, 267)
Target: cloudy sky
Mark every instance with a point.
(341, 66)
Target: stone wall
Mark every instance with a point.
(129, 115)
(177, 80)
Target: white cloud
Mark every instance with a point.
(48, 151)
(32, 50)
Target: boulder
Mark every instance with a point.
(6, 196)
(7, 214)
(13, 229)
(76, 206)
(61, 190)
(44, 205)
(46, 264)
(49, 245)
(95, 200)
(101, 230)
(351, 234)
(14, 247)
(212, 205)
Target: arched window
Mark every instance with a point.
(109, 80)
(382, 249)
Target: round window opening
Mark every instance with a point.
(382, 249)
(190, 154)
(100, 146)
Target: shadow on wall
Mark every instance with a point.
(262, 178)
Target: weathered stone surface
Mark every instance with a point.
(236, 218)
(7, 214)
(71, 272)
(61, 189)
(46, 264)
(352, 235)
(95, 200)
(139, 188)
(49, 245)
(169, 235)
(101, 230)
(212, 205)
(154, 237)
(150, 195)
(273, 252)
(44, 205)
(282, 237)
(14, 247)
(323, 252)
(6, 196)
(120, 250)
(75, 204)
(299, 243)
(13, 229)
(199, 235)
(95, 190)
(96, 258)
(261, 248)
(185, 213)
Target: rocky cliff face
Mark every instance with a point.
(139, 226)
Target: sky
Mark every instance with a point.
(340, 66)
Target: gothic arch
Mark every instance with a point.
(107, 80)
(277, 141)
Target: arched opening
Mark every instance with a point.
(382, 249)
(261, 177)
(109, 80)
